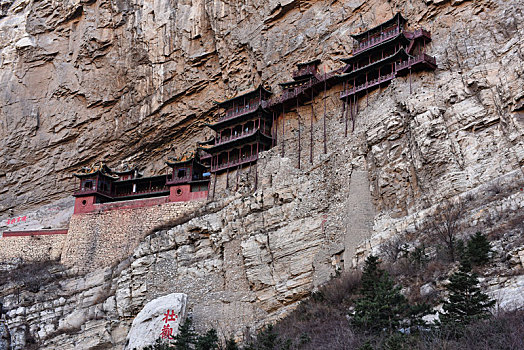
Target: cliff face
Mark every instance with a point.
(135, 80)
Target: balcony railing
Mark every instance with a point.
(178, 180)
(367, 85)
(375, 40)
(414, 60)
(372, 63)
(222, 140)
(292, 94)
(85, 191)
(237, 162)
(421, 32)
(141, 192)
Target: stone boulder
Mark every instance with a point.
(160, 316)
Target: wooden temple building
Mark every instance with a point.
(189, 177)
(241, 133)
(382, 53)
(99, 184)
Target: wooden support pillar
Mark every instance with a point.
(311, 126)
(355, 102)
(350, 107)
(227, 171)
(367, 95)
(273, 133)
(214, 185)
(325, 98)
(256, 176)
(299, 138)
(283, 129)
(410, 91)
(238, 171)
(344, 111)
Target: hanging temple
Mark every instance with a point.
(248, 124)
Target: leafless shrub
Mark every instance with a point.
(341, 287)
(446, 225)
(391, 250)
(33, 275)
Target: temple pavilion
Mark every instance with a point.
(241, 133)
(382, 53)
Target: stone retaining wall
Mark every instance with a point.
(32, 248)
(102, 239)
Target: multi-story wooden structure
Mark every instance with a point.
(307, 82)
(382, 53)
(99, 184)
(242, 132)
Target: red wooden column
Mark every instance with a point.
(274, 129)
(325, 98)
(344, 105)
(283, 128)
(350, 107)
(311, 125)
(299, 144)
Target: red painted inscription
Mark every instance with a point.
(15, 220)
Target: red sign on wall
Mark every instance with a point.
(15, 220)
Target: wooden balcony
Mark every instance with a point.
(89, 191)
(185, 179)
(231, 114)
(293, 94)
(223, 140)
(422, 58)
(110, 195)
(364, 45)
(235, 163)
(418, 33)
(368, 85)
(156, 190)
(178, 180)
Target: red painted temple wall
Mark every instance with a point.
(182, 193)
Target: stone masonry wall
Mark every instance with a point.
(32, 248)
(102, 239)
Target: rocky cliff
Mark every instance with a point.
(135, 80)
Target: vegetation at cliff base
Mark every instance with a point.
(372, 311)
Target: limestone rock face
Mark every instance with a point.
(166, 312)
(135, 80)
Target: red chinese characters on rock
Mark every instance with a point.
(167, 331)
(15, 220)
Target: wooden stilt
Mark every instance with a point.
(273, 133)
(325, 98)
(410, 91)
(299, 138)
(256, 177)
(283, 129)
(214, 185)
(350, 107)
(311, 126)
(238, 171)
